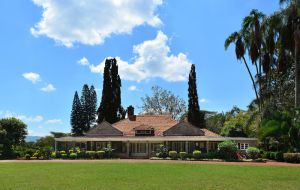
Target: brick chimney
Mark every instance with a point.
(130, 113)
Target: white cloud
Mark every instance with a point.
(132, 88)
(24, 118)
(54, 121)
(153, 60)
(83, 61)
(33, 77)
(90, 22)
(203, 100)
(48, 88)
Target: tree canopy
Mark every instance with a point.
(163, 101)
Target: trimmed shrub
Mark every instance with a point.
(279, 156)
(62, 152)
(252, 152)
(173, 154)
(227, 150)
(197, 154)
(64, 156)
(73, 156)
(27, 156)
(182, 155)
(90, 154)
(53, 155)
(100, 154)
(292, 157)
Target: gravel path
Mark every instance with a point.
(270, 163)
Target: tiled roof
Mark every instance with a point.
(103, 129)
(159, 123)
(184, 129)
(209, 133)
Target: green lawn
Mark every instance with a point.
(145, 176)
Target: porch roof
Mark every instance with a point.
(152, 139)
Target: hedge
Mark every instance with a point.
(292, 157)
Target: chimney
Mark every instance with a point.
(130, 113)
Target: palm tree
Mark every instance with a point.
(237, 39)
(291, 12)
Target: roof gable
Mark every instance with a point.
(159, 123)
(184, 129)
(103, 129)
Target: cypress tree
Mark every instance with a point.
(104, 110)
(76, 116)
(195, 117)
(110, 108)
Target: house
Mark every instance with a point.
(139, 136)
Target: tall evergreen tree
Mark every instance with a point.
(89, 106)
(76, 116)
(93, 107)
(110, 108)
(104, 110)
(85, 104)
(194, 115)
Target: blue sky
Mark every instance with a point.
(50, 48)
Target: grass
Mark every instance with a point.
(145, 176)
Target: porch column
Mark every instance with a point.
(186, 146)
(147, 148)
(207, 146)
(86, 146)
(127, 149)
(55, 146)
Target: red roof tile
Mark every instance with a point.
(159, 123)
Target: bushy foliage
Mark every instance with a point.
(182, 155)
(90, 154)
(73, 155)
(173, 154)
(252, 152)
(108, 151)
(100, 154)
(64, 156)
(162, 151)
(27, 156)
(197, 154)
(53, 155)
(292, 157)
(227, 150)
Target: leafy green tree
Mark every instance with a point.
(47, 141)
(77, 120)
(13, 133)
(163, 101)
(215, 122)
(194, 115)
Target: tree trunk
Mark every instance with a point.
(253, 81)
(297, 67)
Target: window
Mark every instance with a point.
(243, 146)
(144, 132)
